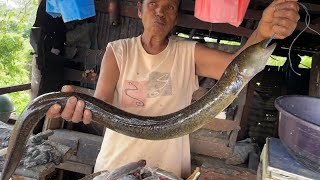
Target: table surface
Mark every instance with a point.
(280, 161)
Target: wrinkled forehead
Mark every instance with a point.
(173, 1)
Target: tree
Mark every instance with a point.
(16, 19)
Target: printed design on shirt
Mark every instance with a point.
(134, 93)
(159, 84)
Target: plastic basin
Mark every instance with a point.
(299, 128)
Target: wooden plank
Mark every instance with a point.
(35, 78)
(76, 167)
(313, 8)
(55, 123)
(221, 125)
(240, 102)
(189, 21)
(314, 82)
(37, 172)
(217, 149)
(210, 143)
(43, 171)
(213, 168)
(86, 145)
(15, 88)
(247, 108)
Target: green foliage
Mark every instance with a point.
(234, 43)
(276, 60)
(15, 50)
(305, 62)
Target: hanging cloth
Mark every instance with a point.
(70, 10)
(221, 11)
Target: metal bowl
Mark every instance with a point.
(299, 128)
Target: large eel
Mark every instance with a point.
(242, 69)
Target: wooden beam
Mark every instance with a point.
(189, 21)
(15, 88)
(312, 7)
(314, 82)
(256, 15)
(184, 20)
(35, 78)
(187, 5)
(76, 167)
(240, 101)
(221, 125)
(316, 21)
(128, 11)
(252, 14)
(246, 109)
(302, 25)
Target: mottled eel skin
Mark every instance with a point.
(245, 66)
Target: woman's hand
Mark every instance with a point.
(279, 18)
(74, 110)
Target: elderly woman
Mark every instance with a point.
(154, 75)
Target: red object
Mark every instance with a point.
(221, 11)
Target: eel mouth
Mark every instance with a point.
(266, 44)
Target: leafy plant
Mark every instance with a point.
(16, 19)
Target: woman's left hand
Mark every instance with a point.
(279, 18)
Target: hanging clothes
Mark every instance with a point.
(221, 11)
(71, 10)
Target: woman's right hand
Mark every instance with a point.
(74, 110)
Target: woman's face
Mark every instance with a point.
(158, 16)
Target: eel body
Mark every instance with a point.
(239, 72)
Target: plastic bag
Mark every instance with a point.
(71, 10)
(221, 11)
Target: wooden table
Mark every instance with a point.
(38, 172)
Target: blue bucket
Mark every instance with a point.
(71, 10)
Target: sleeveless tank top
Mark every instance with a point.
(151, 85)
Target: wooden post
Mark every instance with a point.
(245, 93)
(35, 78)
(314, 82)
